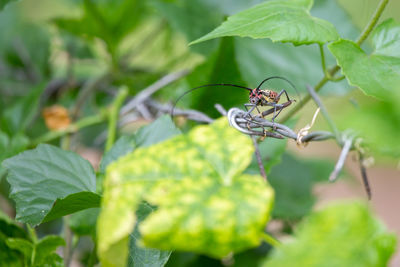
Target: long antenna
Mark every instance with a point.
(282, 78)
(206, 85)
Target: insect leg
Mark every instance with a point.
(253, 106)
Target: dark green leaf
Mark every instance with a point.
(84, 222)
(141, 256)
(22, 245)
(293, 180)
(279, 20)
(8, 228)
(345, 234)
(40, 176)
(200, 191)
(73, 203)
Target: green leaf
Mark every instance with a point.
(39, 177)
(386, 38)
(261, 58)
(22, 245)
(345, 234)
(124, 145)
(3, 3)
(141, 256)
(8, 228)
(45, 249)
(161, 129)
(41, 253)
(279, 20)
(376, 74)
(204, 202)
(73, 203)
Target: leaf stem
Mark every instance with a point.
(114, 115)
(271, 240)
(331, 72)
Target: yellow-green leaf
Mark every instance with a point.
(279, 20)
(204, 202)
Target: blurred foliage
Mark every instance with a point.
(199, 191)
(344, 234)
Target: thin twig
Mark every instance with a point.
(220, 109)
(364, 175)
(259, 159)
(188, 113)
(148, 91)
(342, 158)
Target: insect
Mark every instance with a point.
(266, 97)
(257, 97)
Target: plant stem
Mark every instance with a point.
(321, 51)
(374, 20)
(114, 115)
(330, 73)
(85, 122)
(270, 240)
(68, 235)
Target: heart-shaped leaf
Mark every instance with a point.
(204, 202)
(43, 180)
(279, 20)
(377, 74)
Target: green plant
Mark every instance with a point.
(165, 197)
